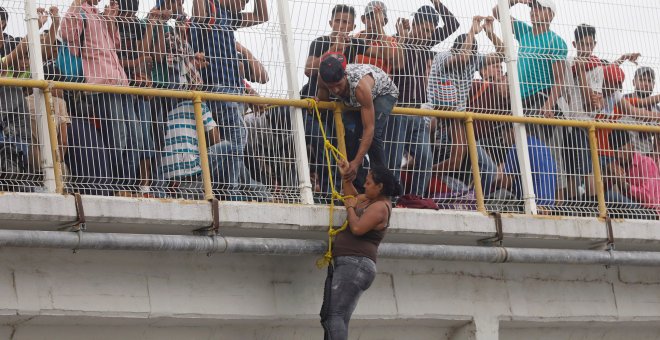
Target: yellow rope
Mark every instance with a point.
(329, 149)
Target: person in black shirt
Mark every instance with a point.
(342, 23)
(412, 133)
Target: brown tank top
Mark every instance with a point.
(348, 244)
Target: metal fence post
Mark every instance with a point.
(598, 175)
(54, 146)
(302, 163)
(339, 128)
(520, 131)
(36, 69)
(202, 146)
(474, 161)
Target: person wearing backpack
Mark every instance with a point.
(93, 37)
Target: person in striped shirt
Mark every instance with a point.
(181, 162)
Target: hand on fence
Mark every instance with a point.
(547, 111)
(403, 27)
(42, 16)
(339, 42)
(145, 62)
(111, 10)
(200, 61)
(153, 16)
(55, 15)
(631, 57)
(476, 24)
(597, 101)
(165, 15)
(142, 80)
(487, 26)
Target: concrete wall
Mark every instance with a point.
(55, 294)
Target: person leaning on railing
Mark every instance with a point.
(370, 89)
(354, 252)
(342, 23)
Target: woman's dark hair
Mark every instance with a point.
(383, 175)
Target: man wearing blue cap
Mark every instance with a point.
(365, 87)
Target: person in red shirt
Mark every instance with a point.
(633, 181)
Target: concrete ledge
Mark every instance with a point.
(70, 318)
(158, 216)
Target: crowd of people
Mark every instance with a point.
(128, 145)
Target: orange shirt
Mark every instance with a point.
(381, 63)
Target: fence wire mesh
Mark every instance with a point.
(574, 62)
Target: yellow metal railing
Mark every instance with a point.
(197, 97)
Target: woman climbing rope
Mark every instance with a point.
(353, 266)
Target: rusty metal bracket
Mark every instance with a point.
(213, 229)
(80, 223)
(499, 233)
(610, 234)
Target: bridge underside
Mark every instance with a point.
(58, 294)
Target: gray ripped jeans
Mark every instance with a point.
(352, 275)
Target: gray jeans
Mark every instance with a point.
(352, 275)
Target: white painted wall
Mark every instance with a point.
(54, 294)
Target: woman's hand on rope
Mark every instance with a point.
(350, 202)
